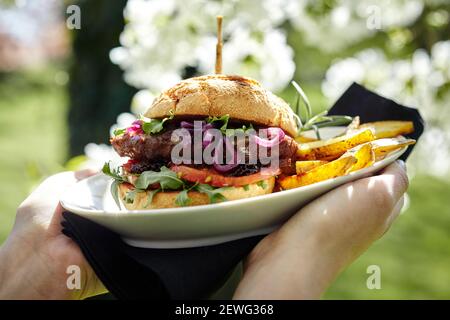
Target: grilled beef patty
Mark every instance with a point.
(150, 152)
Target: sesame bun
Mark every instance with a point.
(167, 199)
(216, 95)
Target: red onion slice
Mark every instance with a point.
(135, 128)
(224, 167)
(207, 126)
(207, 139)
(228, 166)
(275, 135)
(186, 125)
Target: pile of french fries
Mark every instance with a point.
(360, 147)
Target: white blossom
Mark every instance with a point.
(349, 21)
(162, 38)
(98, 154)
(142, 100)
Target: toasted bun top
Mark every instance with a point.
(216, 95)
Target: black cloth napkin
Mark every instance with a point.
(369, 106)
(137, 273)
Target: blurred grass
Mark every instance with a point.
(32, 135)
(414, 256)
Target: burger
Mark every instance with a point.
(223, 104)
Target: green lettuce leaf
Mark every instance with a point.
(118, 132)
(113, 173)
(166, 178)
(155, 126)
(223, 119)
(182, 198)
(131, 195)
(214, 194)
(150, 195)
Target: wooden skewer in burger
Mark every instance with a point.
(151, 180)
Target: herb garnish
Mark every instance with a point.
(224, 128)
(149, 126)
(118, 132)
(318, 121)
(262, 184)
(224, 119)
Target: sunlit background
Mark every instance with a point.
(62, 90)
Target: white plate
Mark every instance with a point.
(200, 225)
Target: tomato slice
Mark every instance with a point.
(127, 166)
(215, 179)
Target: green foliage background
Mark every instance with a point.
(36, 140)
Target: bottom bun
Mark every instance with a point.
(167, 199)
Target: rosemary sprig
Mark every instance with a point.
(301, 95)
(320, 120)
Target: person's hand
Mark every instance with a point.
(35, 257)
(302, 258)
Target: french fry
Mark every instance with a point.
(333, 148)
(305, 166)
(364, 155)
(327, 171)
(354, 125)
(304, 139)
(358, 148)
(388, 129)
(382, 147)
